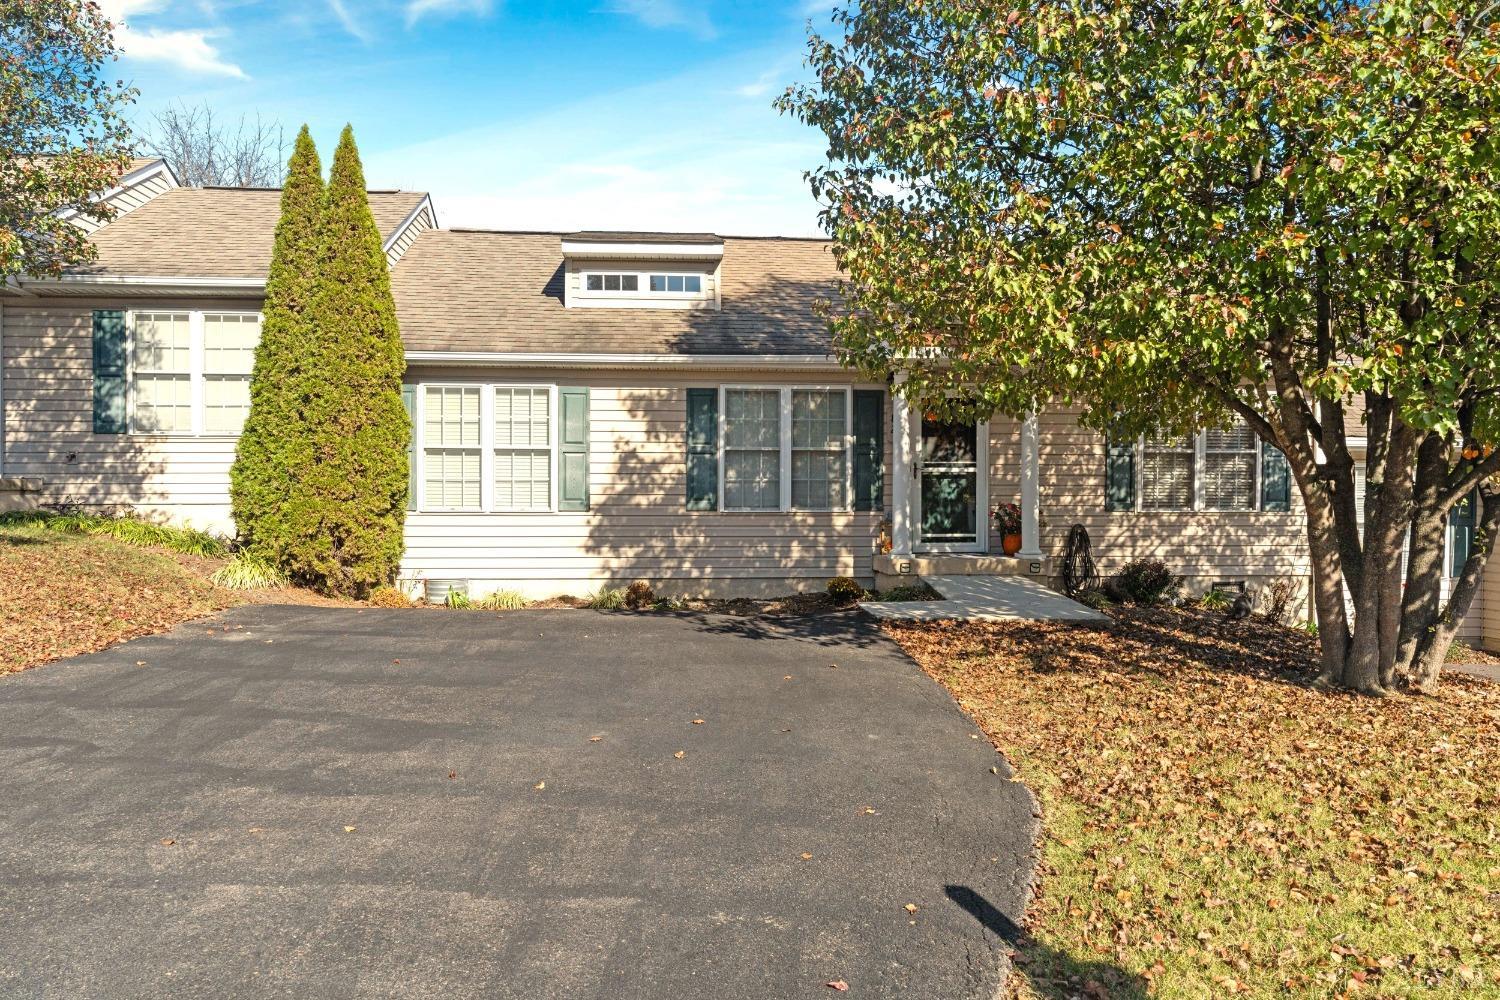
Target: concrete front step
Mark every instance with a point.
(895, 571)
(986, 599)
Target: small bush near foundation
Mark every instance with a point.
(1095, 598)
(457, 601)
(845, 589)
(639, 596)
(389, 597)
(910, 592)
(1280, 597)
(502, 600)
(1216, 600)
(1147, 582)
(247, 571)
(607, 599)
(131, 530)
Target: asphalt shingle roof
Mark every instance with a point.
(502, 292)
(212, 232)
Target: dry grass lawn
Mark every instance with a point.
(1215, 827)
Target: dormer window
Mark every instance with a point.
(613, 282)
(642, 270)
(690, 283)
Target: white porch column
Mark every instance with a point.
(1031, 491)
(902, 460)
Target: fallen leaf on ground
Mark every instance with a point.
(540, 785)
(910, 907)
(595, 739)
(167, 841)
(679, 755)
(806, 856)
(348, 829)
(697, 722)
(840, 985)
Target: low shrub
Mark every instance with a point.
(458, 601)
(502, 600)
(1146, 582)
(129, 529)
(1095, 598)
(248, 572)
(910, 592)
(606, 599)
(1280, 596)
(389, 597)
(845, 589)
(639, 596)
(1216, 600)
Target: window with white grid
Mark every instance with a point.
(820, 449)
(1167, 474)
(1229, 462)
(162, 373)
(229, 342)
(451, 451)
(523, 448)
(752, 449)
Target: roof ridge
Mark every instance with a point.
(484, 231)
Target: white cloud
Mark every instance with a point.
(351, 25)
(667, 14)
(418, 9)
(188, 49)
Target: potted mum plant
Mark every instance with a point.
(1008, 523)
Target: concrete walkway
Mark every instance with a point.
(986, 599)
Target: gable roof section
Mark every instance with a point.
(471, 292)
(215, 233)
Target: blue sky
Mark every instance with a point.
(517, 115)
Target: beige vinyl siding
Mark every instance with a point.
(128, 199)
(577, 297)
(638, 526)
(422, 222)
(48, 400)
(1204, 546)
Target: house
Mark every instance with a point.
(599, 407)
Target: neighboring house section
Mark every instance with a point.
(595, 407)
(143, 180)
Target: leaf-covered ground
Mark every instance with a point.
(1216, 827)
(65, 594)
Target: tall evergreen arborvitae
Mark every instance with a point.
(348, 494)
(275, 430)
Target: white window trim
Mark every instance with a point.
(1200, 456)
(643, 285)
(786, 448)
(486, 446)
(196, 375)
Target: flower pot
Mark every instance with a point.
(1011, 544)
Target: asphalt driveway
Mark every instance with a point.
(311, 803)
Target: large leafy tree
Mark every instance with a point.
(276, 436)
(1175, 213)
(63, 135)
(347, 489)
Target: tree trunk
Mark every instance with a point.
(1424, 571)
(1433, 645)
(1327, 585)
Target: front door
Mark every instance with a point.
(952, 492)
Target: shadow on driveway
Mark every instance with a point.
(312, 802)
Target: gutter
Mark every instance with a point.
(693, 362)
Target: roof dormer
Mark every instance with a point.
(618, 270)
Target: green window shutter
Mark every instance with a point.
(1275, 479)
(703, 449)
(409, 400)
(869, 449)
(109, 371)
(1119, 475)
(573, 449)
(1461, 524)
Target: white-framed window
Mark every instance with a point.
(189, 371)
(1167, 473)
(452, 455)
(1231, 459)
(691, 284)
(1214, 470)
(784, 448)
(486, 448)
(601, 282)
(523, 447)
